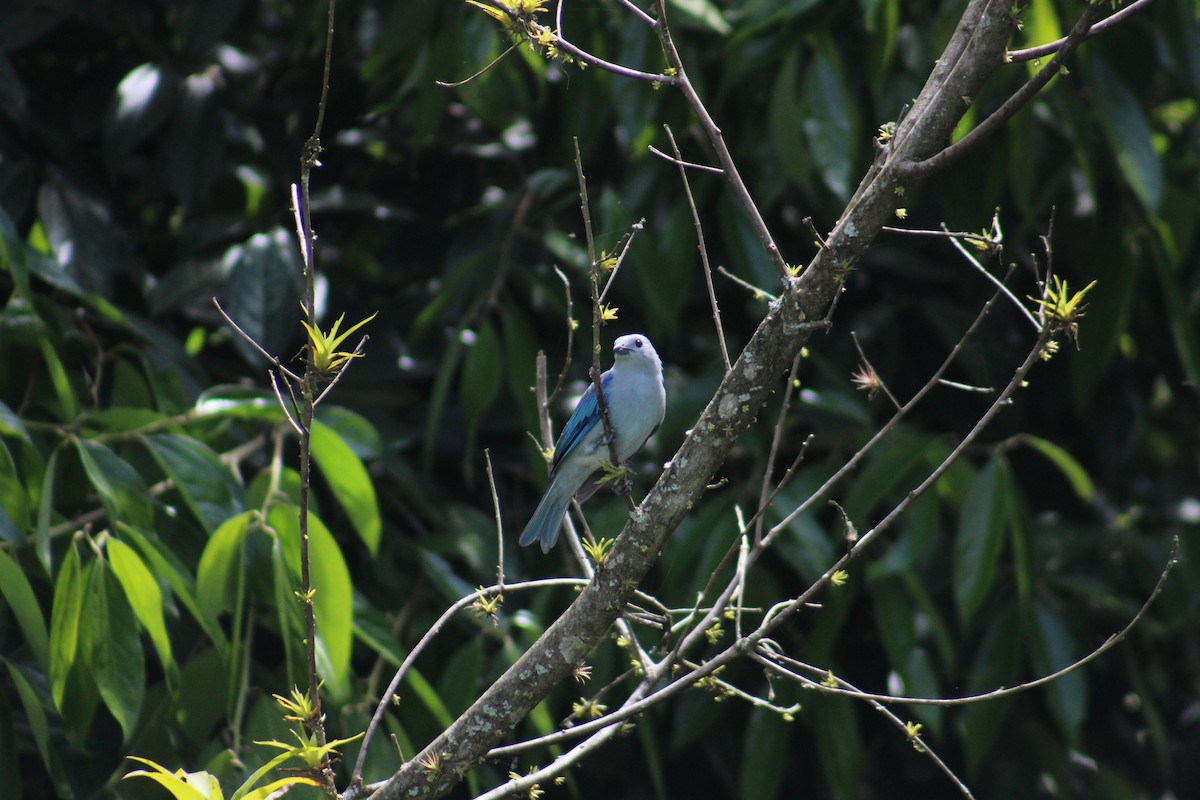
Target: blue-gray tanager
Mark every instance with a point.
(636, 401)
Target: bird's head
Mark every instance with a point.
(635, 349)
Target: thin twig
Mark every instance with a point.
(1030, 53)
(359, 349)
(283, 405)
(717, 140)
(1016, 101)
(1004, 691)
(871, 367)
(759, 294)
(999, 284)
(562, 375)
(681, 163)
(853, 462)
(429, 635)
(619, 252)
(701, 246)
(849, 690)
(480, 73)
(487, 456)
(594, 274)
(275, 362)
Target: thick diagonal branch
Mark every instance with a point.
(975, 51)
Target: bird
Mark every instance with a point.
(636, 401)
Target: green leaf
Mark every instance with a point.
(1053, 649)
(887, 468)
(35, 713)
(458, 683)
(482, 375)
(333, 599)
(145, 598)
(706, 13)
(207, 485)
(218, 575)
(164, 564)
(64, 624)
(122, 490)
(188, 786)
(839, 744)
(141, 103)
(263, 292)
(996, 664)
(764, 755)
(11, 424)
(784, 116)
(109, 639)
(1128, 132)
(1039, 24)
(235, 402)
(981, 538)
(349, 482)
(196, 141)
(830, 121)
(68, 406)
(1071, 469)
(285, 590)
(21, 599)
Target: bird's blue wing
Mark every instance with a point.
(583, 418)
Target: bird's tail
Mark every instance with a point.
(547, 519)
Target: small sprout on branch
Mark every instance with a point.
(608, 313)
(431, 763)
(598, 550)
(1049, 350)
(582, 673)
(298, 709)
(486, 606)
(588, 709)
(912, 730)
(829, 681)
(886, 131)
(839, 578)
(714, 633)
(983, 242)
(867, 380)
(622, 641)
(1061, 309)
(534, 791)
(612, 475)
(325, 355)
(608, 261)
(901, 213)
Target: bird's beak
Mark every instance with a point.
(619, 350)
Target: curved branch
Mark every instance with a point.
(974, 53)
(1030, 53)
(1013, 104)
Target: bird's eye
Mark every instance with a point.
(637, 342)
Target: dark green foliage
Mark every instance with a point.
(148, 483)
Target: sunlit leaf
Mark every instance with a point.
(18, 593)
(980, 539)
(333, 600)
(145, 598)
(64, 623)
(111, 648)
(347, 478)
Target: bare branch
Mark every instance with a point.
(1030, 53)
(701, 246)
